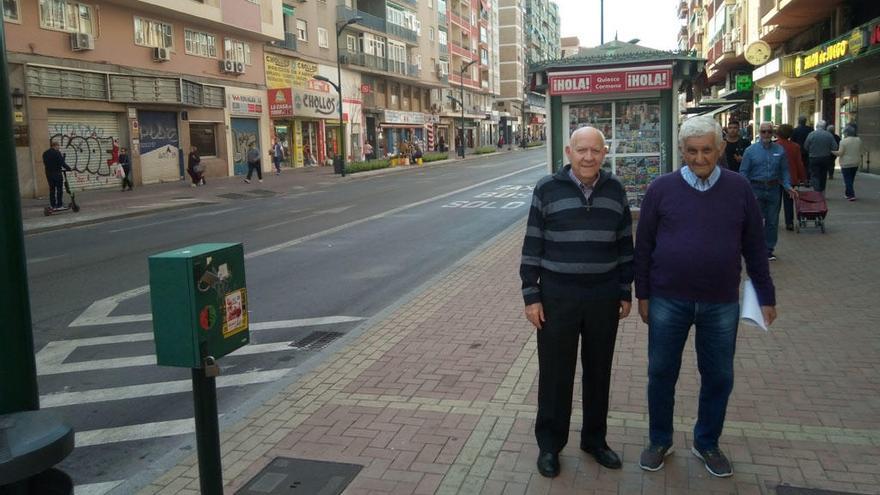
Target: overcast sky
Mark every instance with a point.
(654, 22)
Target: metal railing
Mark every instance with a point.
(289, 42)
(444, 50)
(766, 6)
(402, 32)
(442, 19)
(369, 61)
(344, 13)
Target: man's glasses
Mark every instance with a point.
(766, 131)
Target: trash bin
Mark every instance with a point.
(337, 164)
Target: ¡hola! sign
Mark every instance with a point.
(610, 81)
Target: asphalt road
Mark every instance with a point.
(320, 263)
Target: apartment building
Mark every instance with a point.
(153, 76)
(569, 46)
(542, 43)
(777, 60)
(513, 67)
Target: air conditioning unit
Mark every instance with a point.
(81, 41)
(161, 54)
(231, 67)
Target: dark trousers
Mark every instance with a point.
(595, 324)
(849, 178)
(56, 190)
(819, 171)
(788, 207)
(255, 166)
(126, 181)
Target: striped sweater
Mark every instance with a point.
(576, 248)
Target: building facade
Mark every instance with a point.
(156, 77)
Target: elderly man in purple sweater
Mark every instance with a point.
(695, 226)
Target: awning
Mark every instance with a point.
(709, 110)
(403, 126)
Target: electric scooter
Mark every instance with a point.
(72, 206)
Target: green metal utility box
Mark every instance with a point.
(199, 303)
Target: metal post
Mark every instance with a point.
(207, 433)
(339, 87)
(18, 370)
(601, 22)
(461, 126)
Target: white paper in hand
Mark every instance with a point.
(750, 309)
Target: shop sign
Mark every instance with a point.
(249, 105)
(611, 81)
(743, 82)
(831, 53)
(280, 102)
(286, 72)
(366, 89)
(875, 34)
(312, 104)
(396, 117)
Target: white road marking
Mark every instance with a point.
(155, 389)
(46, 258)
(331, 211)
(171, 220)
(98, 313)
(96, 488)
(142, 431)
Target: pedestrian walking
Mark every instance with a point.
(765, 165)
(830, 129)
(55, 165)
(795, 170)
(694, 228)
(125, 163)
(799, 136)
(734, 146)
(576, 273)
(277, 156)
(194, 167)
(850, 153)
(368, 151)
(819, 145)
(254, 163)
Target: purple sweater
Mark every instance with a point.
(689, 244)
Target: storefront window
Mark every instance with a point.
(632, 132)
(202, 136)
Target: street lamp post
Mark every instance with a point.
(461, 84)
(340, 26)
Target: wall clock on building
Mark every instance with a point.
(758, 52)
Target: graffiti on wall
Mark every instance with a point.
(245, 132)
(89, 150)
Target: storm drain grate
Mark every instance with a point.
(793, 490)
(316, 341)
(261, 192)
(232, 196)
(285, 475)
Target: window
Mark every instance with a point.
(148, 32)
(351, 43)
(431, 33)
(238, 51)
(203, 136)
(10, 10)
(64, 15)
(444, 67)
(323, 39)
(430, 4)
(302, 30)
(441, 37)
(200, 44)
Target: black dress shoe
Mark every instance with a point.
(548, 464)
(604, 456)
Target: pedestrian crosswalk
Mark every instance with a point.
(128, 381)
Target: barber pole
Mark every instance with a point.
(431, 136)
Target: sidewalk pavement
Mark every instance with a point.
(104, 204)
(438, 395)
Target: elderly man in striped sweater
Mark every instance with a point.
(576, 273)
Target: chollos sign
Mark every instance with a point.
(607, 81)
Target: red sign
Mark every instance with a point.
(365, 89)
(280, 102)
(875, 33)
(611, 82)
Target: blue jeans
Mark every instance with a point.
(669, 322)
(849, 177)
(769, 201)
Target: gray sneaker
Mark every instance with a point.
(652, 457)
(715, 460)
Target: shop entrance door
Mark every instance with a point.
(245, 132)
(282, 134)
(159, 146)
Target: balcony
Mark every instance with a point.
(682, 9)
(782, 19)
(443, 77)
(459, 21)
(371, 21)
(454, 79)
(442, 19)
(401, 32)
(461, 52)
(444, 51)
(366, 60)
(289, 42)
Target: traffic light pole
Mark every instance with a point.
(18, 371)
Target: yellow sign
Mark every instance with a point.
(19, 117)
(830, 53)
(286, 72)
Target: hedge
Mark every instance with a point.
(377, 164)
(435, 156)
(482, 150)
(533, 144)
